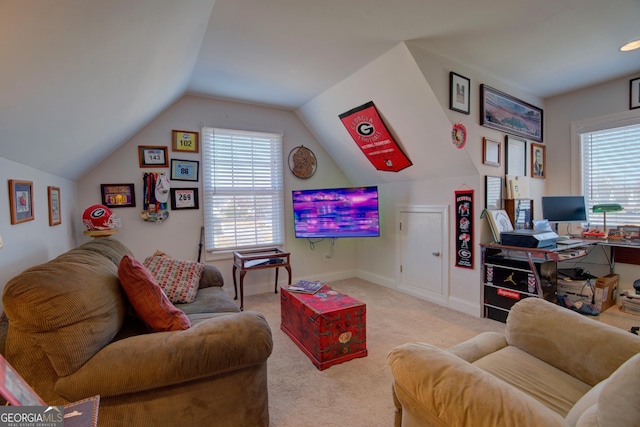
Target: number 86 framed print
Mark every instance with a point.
(184, 170)
(184, 198)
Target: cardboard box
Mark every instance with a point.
(606, 291)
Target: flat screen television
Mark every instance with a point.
(336, 212)
(564, 208)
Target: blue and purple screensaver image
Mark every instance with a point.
(336, 212)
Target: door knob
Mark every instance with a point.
(435, 253)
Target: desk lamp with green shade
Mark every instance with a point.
(603, 209)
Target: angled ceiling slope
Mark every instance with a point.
(79, 78)
(410, 111)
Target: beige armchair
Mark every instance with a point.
(553, 367)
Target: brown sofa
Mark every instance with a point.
(553, 367)
(72, 335)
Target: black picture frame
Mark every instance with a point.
(459, 93)
(510, 115)
(184, 198)
(185, 170)
(634, 93)
(118, 195)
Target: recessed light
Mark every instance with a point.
(630, 46)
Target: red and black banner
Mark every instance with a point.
(368, 131)
(464, 228)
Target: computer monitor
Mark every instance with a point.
(564, 208)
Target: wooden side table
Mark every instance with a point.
(258, 259)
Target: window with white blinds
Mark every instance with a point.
(243, 189)
(610, 173)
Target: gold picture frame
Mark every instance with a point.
(185, 141)
(491, 151)
(55, 216)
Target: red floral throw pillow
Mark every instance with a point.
(147, 299)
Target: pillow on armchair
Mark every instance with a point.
(148, 300)
(178, 279)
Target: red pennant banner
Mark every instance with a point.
(368, 131)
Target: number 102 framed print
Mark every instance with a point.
(184, 198)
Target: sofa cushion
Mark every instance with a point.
(178, 279)
(147, 299)
(550, 386)
(210, 300)
(79, 303)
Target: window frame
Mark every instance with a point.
(212, 254)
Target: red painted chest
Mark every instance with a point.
(328, 326)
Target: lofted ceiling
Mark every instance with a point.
(80, 77)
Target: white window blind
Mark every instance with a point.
(243, 189)
(610, 173)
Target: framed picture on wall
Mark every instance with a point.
(184, 170)
(634, 94)
(152, 156)
(510, 115)
(118, 195)
(184, 198)
(516, 155)
(459, 95)
(538, 160)
(21, 201)
(182, 140)
(54, 205)
(491, 152)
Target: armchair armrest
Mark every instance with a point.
(217, 345)
(578, 345)
(438, 388)
(479, 346)
(211, 276)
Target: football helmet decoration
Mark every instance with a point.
(99, 217)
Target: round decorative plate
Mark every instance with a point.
(302, 162)
(459, 135)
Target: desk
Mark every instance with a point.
(258, 259)
(627, 251)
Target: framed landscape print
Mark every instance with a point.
(54, 206)
(21, 201)
(459, 87)
(510, 115)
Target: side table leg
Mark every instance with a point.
(242, 273)
(235, 287)
(275, 289)
(288, 267)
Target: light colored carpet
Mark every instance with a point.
(356, 393)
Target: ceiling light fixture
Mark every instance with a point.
(630, 46)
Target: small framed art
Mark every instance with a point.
(184, 170)
(493, 192)
(118, 195)
(152, 156)
(184, 198)
(54, 205)
(183, 140)
(491, 152)
(538, 160)
(21, 201)
(516, 155)
(634, 93)
(459, 95)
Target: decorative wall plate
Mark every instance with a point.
(302, 162)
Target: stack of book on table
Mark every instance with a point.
(305, 287)
(631, 303)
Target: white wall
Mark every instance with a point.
(34, 242)
(593, 102)
(179, 234)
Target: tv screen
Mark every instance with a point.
(564, 208)
(336, 212)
